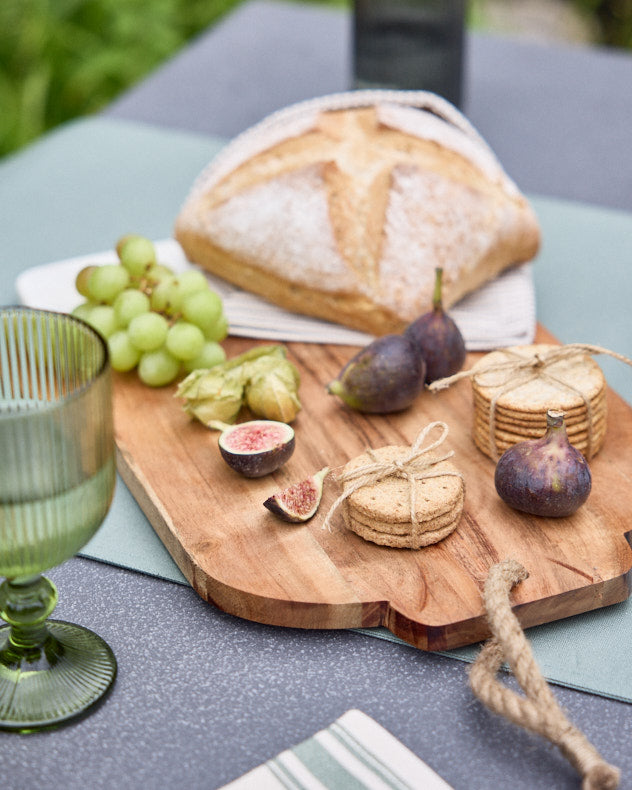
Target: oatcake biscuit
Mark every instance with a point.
(581, 377)
(381, 511)
(389, 500)
(513, 424)
(482, 441)
(521, 397)
(406, 527)
(517, 433)
(410, 541)
(597, 405)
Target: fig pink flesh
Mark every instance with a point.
(253, 438)
(299, 498)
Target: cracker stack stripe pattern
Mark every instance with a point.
(381, 513)
(510, 404)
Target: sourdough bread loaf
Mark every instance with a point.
(342, 208)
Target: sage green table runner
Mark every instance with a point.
(80, 188)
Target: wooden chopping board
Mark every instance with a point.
(240, 558)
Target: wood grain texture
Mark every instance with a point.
(239, 557)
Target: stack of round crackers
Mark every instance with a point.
(381, 512)
(573, 384)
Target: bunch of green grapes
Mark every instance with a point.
(154, 320)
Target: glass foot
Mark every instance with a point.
(51, 685)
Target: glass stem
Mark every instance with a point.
(25, 603)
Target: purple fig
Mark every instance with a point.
(385, 376)
(546, 476)
(257, 447)
(298, 502)
(438, 338)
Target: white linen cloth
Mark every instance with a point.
(353, 752)
(501, 313)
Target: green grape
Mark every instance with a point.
(163, 295)
(123, 355)
(106, 282)
(83, 311)
(219, 331)
(136, 253)
(128, 304)
(81, 281)
(212, 354)
(202, 308)
(187, 283)
(157, 368)
(148, 331)
(192, 280)
(184, 340)
(122, 242)
(101, 317)
(160, 272)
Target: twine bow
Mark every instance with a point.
(411, 466)
(521, 370)
(538, 711)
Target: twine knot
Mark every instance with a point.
(538, 710)
(520, 370)
(539, 361)
(412, 465)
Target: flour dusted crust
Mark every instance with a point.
(342, 208)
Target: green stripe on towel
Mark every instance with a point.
(323, 766)
(378, 766)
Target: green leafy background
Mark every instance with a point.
(60, 59)
(63, 58)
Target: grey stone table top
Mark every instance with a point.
(202, 696)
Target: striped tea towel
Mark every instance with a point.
(353, 753)
(501, 313)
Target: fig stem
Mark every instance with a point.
(335, 388)
(554, 419)
(437, 298)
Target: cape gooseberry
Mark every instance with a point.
(255, 448)
(438, 338)
(546, 476)
(298, 502)
(385, 376)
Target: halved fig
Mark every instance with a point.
(255, 448)
(298, 502)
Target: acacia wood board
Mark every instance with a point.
(242, 559)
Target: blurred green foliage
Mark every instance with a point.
(63, 58)
(60, 59)
(614, 19)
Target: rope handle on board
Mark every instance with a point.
(538, 710)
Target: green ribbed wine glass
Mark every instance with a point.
(56, 484)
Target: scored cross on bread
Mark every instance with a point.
(345, 213)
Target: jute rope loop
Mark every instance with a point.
(538, 711)
(521, 370)
(410, 466)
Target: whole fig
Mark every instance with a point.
(385, 376)
(438, 338)
(546, 476)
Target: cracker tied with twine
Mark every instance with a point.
(403, 497)
(513, 388)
